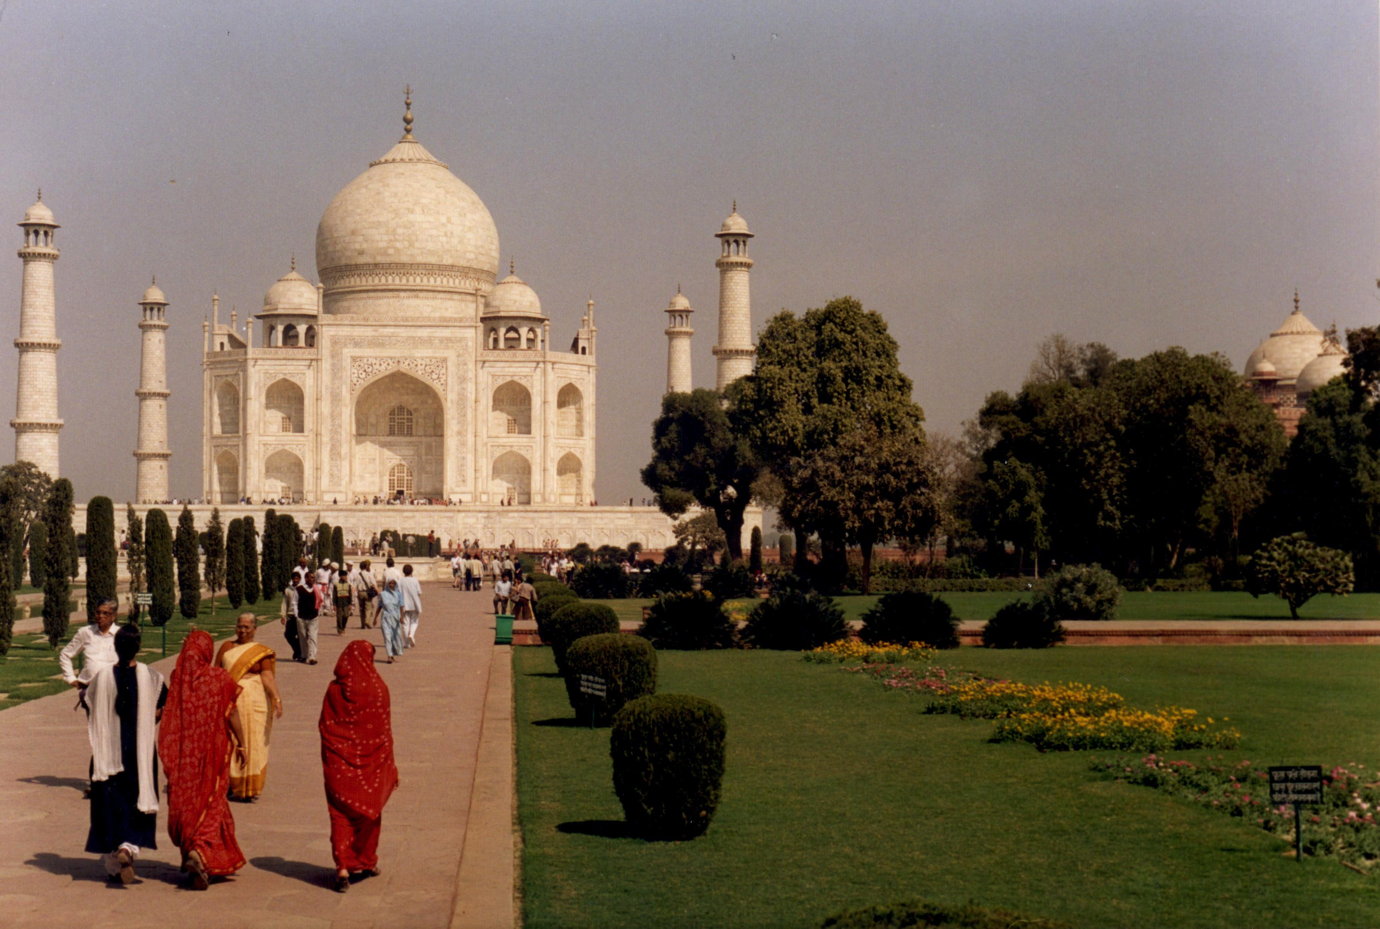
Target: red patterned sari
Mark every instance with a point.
(194, 745)
(357, 756)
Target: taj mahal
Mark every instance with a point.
(409, 374)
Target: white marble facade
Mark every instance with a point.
(410, 371)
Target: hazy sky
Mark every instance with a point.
(982, 173)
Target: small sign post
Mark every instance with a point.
(1296, 785)
(592, 685)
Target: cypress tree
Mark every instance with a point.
(213, 543)
(135, 558)
(322, 549)
(288, 548)
(250, 556)
(9, 539)
(268, 563)
(188, 565)
(100, 554)
(234, 563)
(755, 551)
(338, 546)
(38, 555)
(159, 566)
(57, 587)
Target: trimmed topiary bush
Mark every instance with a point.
(575, 621)
(690, 621)
(916, 914)
(626, 663)
(910, 616)
(551, 588)
(795, 619)
(1023, 624)
(600, 580)
(547, 606)
(1082, 591)
(668, 764)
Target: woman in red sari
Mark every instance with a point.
(357, 755)
(194, 745)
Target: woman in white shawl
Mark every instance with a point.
(125, 702)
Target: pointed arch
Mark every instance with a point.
(512, 478)
(283, 475)
(570, 412)
(398, 419)
(511, 410)
(284, 407)
(570, 474)
(227, 409)
(227, 481)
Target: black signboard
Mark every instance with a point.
(1296, 785)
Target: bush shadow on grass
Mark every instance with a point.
(570, 722)
(598, 828)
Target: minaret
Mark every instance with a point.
(734, 351)
(152, 454)
(36, 424)
(678, 334)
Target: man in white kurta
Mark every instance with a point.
(411, 590)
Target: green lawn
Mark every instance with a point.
(842, 794)
(30, 669)
(1158, 605)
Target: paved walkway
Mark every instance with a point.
(447, 849)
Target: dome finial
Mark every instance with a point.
(294, 262)
(407, 116)
(154, 280)
(40, 195)
(512, 266)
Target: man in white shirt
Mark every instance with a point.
(95, 642)
(411, 590)
(458, 563)
(503, 589)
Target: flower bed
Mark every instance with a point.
(1342, 826)
(852, 650)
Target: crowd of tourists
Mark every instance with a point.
(208, 727)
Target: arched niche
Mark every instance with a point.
(227, 409)
(512, 338)
(283, 475)
(227, 477)
(284, 408)
(292, 337)
(398, 419)
(512, 478)
(511, 411)
(570, 412)
(570, 478)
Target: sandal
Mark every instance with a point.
(194, 867)
(342, 883)
(126, 861)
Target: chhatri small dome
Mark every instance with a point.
(679, 302)
(1294, 344)
(38, 214)
(735, 224)
(1330, 364)
(1264, 370)
(406, 214)
(154, 294)
(291, 293)
(513, 296)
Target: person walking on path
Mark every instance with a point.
(411, 590)
(357, 759)
(252, 666)
(366, 592)
(307, 617)
(503, 592)
(124, 699)
(344, 596)
(195, 744)
(524, 598)
(288, 617)
(390, 619)
(95, 642)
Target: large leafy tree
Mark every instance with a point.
(698, 457)
(819, 379)
(57, 586)
(187, 552)
(1297, 570)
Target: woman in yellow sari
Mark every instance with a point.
(251, 665)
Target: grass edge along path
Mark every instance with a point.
(30, 669)
(839, 794)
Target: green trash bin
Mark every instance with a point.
(503, 629)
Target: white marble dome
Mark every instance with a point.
(1322, 369)
(407, 213)
(734, 224)
(513, 296)
(291, 293)
(1290, 347)
(38, 214)
(679, 302)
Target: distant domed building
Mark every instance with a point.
(1292, 362)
